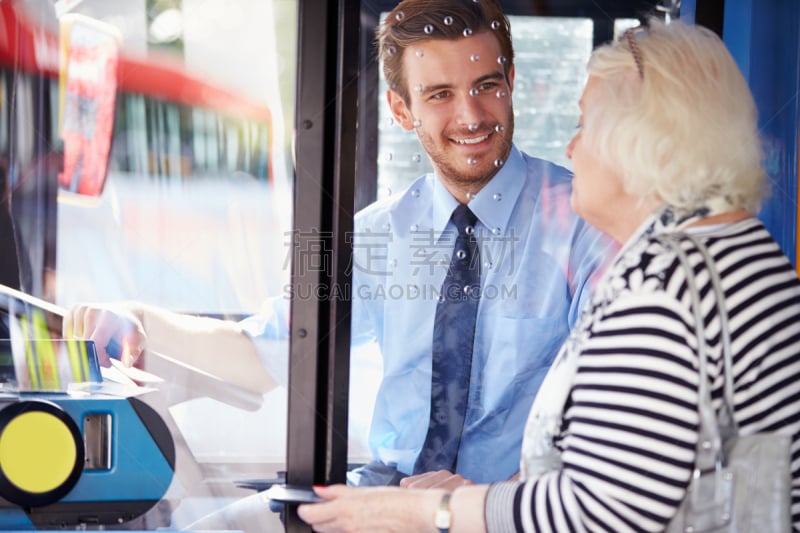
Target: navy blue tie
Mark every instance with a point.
(453, 336)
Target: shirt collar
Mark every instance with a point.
(494, 203)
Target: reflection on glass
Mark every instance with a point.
(192, 218)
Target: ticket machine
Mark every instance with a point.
(67, 461)
(74, 450)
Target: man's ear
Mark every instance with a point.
(511, 78)
(402, 114)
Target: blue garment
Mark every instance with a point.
(538, 261)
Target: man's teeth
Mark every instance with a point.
(475, 140)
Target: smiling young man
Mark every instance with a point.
(466, 106)
(449, 65)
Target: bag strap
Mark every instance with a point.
(710, 453)
(725, 332)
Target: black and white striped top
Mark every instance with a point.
(630, 422)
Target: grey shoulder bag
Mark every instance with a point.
(740, 483)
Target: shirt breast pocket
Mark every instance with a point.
(522, 348)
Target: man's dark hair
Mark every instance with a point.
(412, 21)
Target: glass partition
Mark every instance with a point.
(192, 222)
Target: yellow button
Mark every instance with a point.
(37, 452)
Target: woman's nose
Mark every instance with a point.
(569, 148)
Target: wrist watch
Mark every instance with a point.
(443, 518)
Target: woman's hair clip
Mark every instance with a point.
(630, 36)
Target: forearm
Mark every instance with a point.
(467, 504)
(217, 347)
(353, 509)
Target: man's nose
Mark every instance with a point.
(470, 109)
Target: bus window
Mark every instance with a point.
(203, 132)
(192, 217)
(4, 120)
(22, 146)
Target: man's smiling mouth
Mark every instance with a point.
(472, 140)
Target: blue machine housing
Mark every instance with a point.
(139, 455)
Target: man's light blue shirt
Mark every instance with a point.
(538, 263)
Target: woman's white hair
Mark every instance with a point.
(684, 129)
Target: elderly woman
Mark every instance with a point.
(667, 144)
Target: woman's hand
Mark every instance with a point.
(441, 479)
(372, 510)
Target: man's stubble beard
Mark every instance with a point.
(480, 175)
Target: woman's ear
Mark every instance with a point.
(402, 114)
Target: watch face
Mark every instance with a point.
(443, 517)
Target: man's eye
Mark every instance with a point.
(440, 95)
(487, 86)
